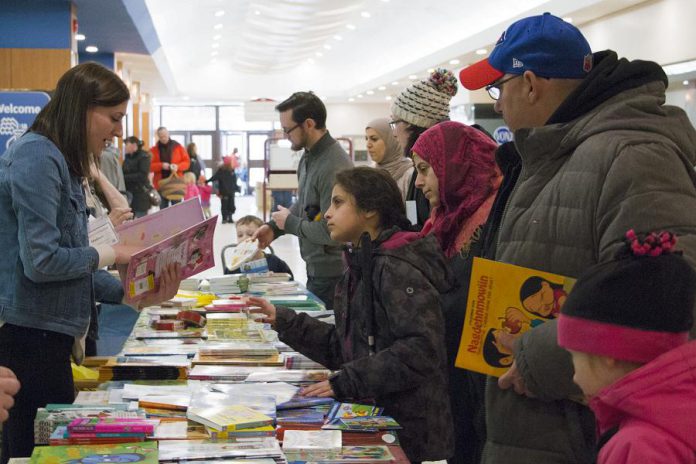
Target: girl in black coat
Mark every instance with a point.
(136, 169)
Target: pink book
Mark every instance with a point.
(110, 425)
(178, 234)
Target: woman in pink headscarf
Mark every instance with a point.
(458, 175)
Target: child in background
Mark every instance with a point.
(246, 226)
(626, 324)
(191, 189)
(205, 191)
(227, 187)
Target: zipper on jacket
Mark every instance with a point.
(505, 209)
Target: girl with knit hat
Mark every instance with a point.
(415, 109)
(385, 150)
(626, 324)
(456, 171)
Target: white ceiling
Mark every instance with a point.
(271, 48)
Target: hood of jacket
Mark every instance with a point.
(661, 393)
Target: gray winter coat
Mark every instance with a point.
(408, 373)
(627, 163)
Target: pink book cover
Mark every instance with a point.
(111, 425)
(153, 228)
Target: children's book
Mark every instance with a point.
(112, 425)
(243, 253)
(143, 453)
(196, 450)
(178, 234)
(363, 424)
(227, 418)
(349, 410)
(504, 302)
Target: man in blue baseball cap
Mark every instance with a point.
(596, 152)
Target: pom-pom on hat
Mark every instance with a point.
(427, 102)
(543, 44)
(633, 308)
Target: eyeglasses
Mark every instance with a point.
(287, 131)
(393, 123)
(494, 89)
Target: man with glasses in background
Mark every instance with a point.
(596, 153)
(303, 119)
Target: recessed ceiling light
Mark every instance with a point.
(350, 26)
(217, 37)
(481, 51)
(568, 19)
(80, 37)
(388, 97)
(351, 99)
(413, 77)
(217, 26)
(370, 92)
(455, 61)
(257, 12)
(365, 14)
(338, 37)
(185, 97)
(395, 83)
(385, 1)
(319, 54)
(219, 13)
(215, 45)
(685, 82)
(360, 95)
(91, 49)
(381, 87)
(431, 70)
(327, 46)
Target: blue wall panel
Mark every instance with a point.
(35, 24)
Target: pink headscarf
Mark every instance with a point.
(463, 159)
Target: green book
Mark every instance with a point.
(143, 453)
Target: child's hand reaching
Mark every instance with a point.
(265, 308)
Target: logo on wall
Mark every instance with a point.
(17, 113)
(502, 135)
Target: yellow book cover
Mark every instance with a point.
(504, 302)
(228, 418)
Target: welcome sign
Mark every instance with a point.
(17, 113)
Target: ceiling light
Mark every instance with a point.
(680, 68)
(370, 92)
(215, 45)
(455, 61)
(685, 82)
(351, 99)
(413, 77)
(257, 12)
(185, 97)
(388, 97)
(381, 87)
(338, 37)
(91, 49)
(217, 26)
(431, 70)
(395, 83)
(365, 14)
(350, 26)
(568, 19)
(481, 51)
(319, 54)
(80, 37)
(219, 13)
(217, 37)
(327, 46)
(360, 95)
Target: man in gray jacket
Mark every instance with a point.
(596, 152)
(303, 119)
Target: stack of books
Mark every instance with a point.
(225, 285)
(237, 348)
(94, 431)
(300, 361)
(56, 415)
(262, 451)
(312, 445)
(146, 368)
(145, 452)
(228, 423)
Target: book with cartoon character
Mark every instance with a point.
(505, 301)
(142, 452)
(178, 234)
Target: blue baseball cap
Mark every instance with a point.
(544, 44)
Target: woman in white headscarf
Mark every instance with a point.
(385, 150)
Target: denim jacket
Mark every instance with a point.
(47, 265)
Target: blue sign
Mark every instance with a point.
(502, 135)
(17, 113)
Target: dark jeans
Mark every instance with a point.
(324, 288)
(227, 207)
(166, 203)
(41, 361)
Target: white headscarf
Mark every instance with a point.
(393, 161)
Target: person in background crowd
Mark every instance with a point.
(191, 188)
(110, 166)
(586, 127)
(246, 228)
(136, 167)
(197, 165)
(626, 324)
(458, 175)
(227, 186)
(205, 191)
(9, 386)
(46, 275)
(303, 119)
(387, 346)
(415, 109)
(168, 157)
(386, 152)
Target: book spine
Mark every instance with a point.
(112, 428)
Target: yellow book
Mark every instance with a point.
(229, 418)
(504, 302)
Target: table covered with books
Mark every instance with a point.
(200, 379)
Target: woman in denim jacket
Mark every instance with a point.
(46, 272)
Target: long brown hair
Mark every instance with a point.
(375, 190)
(64, 119)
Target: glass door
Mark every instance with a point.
(205, 147)
(256, 145)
